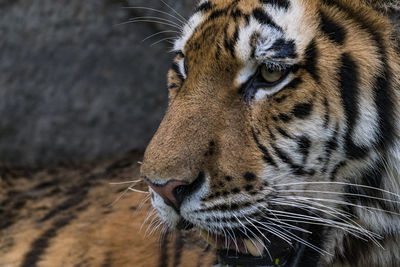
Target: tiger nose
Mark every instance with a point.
(173, 192)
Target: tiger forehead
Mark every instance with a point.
(250, 29)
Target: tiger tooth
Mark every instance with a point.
(254, 246)
(206, 236)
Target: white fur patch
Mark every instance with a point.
(245, 73)
(182, 70)
(296, 22)
(267, 36)
(188, 31)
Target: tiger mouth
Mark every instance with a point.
(266, 250)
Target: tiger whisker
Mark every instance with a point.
(342, 226)
(297, 205)
(338, 183)
(138, 191)
(254, 236)
(334, 210)
(287, 225)
(163, 234)
(141, 204)
(156, 227)
(150, 21)
(269, 228)
(150, 213)
(344, 214)
(156, 19)
(155, 10)
(304, 242)
(307, 208)
(367, 208)
(338, 193)
(234, 239)
(152, 223)
(164, 39)
(119, 197)
(294, 236)
(347, 228)
(158, 33)
(245, 217)
(127, 182)
(176, 12)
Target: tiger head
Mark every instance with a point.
(280, 141)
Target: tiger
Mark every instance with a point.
(83, 215)
(281, 140)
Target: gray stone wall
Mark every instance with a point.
(75, 84)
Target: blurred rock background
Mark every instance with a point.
(75, 83)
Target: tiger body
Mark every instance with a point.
(240, 157)
(311, 159)
(79, 215)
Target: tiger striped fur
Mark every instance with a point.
(312, 158)
(78, 215)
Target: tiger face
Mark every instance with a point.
(280, 140)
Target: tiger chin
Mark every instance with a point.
(280, 144)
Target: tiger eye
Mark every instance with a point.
(271, 75)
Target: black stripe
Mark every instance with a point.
(296, 169)
(237, 13)
(349, 79)
(311, 257)
(226, 207)
(330, 146)
(39, 246)
(230, 42)
(335, 32)
(106, 263)
(173, 86)
(371, 178)
(353, 250)
(71, 202)
(302, 110)
(327, 116)
(384, 97)
(202, 256)
(283, 132)
(163, 259)
(178, 246)
(271, 134)
(176, 69)
(385, 106)
(262, 17)
(217, 13)
(267, 156)
(284, 48)
(284, 117)
(304, 144)
(311, 60)
(277, 3)
(204, 7)
(281, 98)
(294, 83)
(336, 169)
(218, 52)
